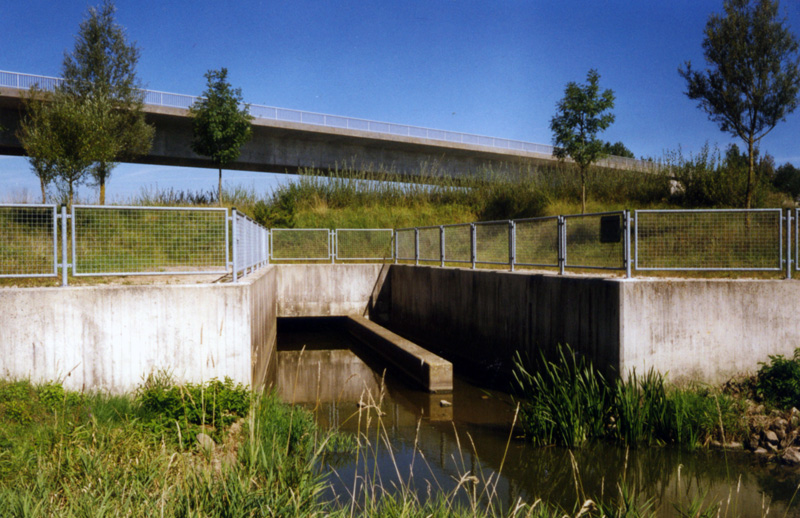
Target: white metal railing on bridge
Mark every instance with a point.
(172, 100)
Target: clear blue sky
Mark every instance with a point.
(491, 67)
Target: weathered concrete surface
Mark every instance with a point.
(111, 337)
(707, 329)
(703, 330)
(481, 318)
(323, 290)
(431, 372)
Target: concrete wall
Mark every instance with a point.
(705, 330)
(110, 337)
(311, 290)
(480, 318)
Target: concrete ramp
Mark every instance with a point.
(428, 370)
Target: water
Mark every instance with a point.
(439, 442)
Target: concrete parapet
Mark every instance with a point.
(428, 370)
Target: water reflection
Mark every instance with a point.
(436, 442)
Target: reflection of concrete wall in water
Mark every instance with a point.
(325, 376)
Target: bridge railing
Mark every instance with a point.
(173, 100)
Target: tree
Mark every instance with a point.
(102, 67)
(580, 116)
(753, 79)
(220, 126)
(60, 134)
(617, 149)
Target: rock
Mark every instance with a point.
(716, 444)
(205, 442)
(734, 446)
(779, 424)
(781, 433)
(753, 443)
(776, 413)
(772, 447)
(791, 456)
(445, 402)
(761, 451)
(770, 437)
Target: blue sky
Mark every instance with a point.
(491, 67)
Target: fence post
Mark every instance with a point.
(473, 244)
(789, 243)
(441, 245)
(416, 246)
(562, 246)
(333, 241)
(64, 280)
(234, 255)
(626, 226)
(512, 244)
(395, 248)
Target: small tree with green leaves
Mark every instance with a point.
(581, 114)
(753, 79)
(102, 67)
(60, 135)
(221, 124)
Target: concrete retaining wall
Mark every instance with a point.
(110, 337)
(322, 290)
(705, 330)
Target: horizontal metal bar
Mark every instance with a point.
(113, 274)
(543, 218)
(692, 211)
(651, 269)
(138, 207)
(584, 267)
(609, 213)
(545, 265)
(31, 205)
(25, 275)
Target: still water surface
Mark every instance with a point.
(440, 441)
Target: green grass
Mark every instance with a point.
(566, 401)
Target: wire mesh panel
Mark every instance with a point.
(595, 241)
(301, 244)
(363, 244)
(491, 240)
(537, 241)
(430, 244)
(458, 243)
(723, 239)
(406, 244)
(148, 240)
(28, 245)
(251, 242)
(796, 239)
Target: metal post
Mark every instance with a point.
(512, 244)
(441, 244)
(562, 248)
(789, 243)
(333, 241)
(227, 241)
(473, 244)
(64, 281)
(234, 255)
(395, 248)
(416, 246)
(626, 226)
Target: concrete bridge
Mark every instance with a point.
(285, 141)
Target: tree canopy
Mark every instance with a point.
(221, 123)
(102, 68)
(581, 114)
(753, 79)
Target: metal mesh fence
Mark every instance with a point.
(364, 244)
(537, 242)
(137, 240)
(595, 241)
(299, 244)
(796, 239)
(430, 242)
(458, 243)
(251, 243)
(406, 244)
(28, 246)
(491, 240)
(709, 240)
